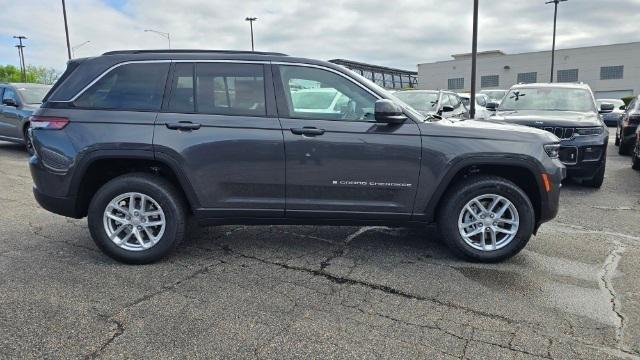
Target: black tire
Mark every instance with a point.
(27, 141)
(617, 143)
(624, 148)
(463, 192)
(635, 158)
(160, 190)
(598, 179)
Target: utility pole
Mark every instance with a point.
(555, 20)
(251, 20)
(23, 67)
(66, 29)
(474, 55)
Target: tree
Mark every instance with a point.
(35, 74)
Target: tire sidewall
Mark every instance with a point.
(516, 196)
(174, 217)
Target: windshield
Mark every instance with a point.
(494, 94)
(33, 94)
(313, 100)
(553, 99)
(617, 103)
(421, 101)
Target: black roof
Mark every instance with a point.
(191, 51)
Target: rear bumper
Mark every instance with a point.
(65, 206)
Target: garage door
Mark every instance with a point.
(615, 94)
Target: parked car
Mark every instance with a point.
(446, 104)
(568, 111)
(18, 103)
(495, 96)
(481, 102)
(635, 156)
(140, 140)
(626, 131)
(613, 117)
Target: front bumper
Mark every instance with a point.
(584, 156)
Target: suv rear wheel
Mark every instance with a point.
(635, 157)
(137, 218)
(486, 219)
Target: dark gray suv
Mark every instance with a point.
(139, 141)
(19, 101)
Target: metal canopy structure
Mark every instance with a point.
(387, 77)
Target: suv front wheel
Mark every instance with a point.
(486, 219)
(137, 218)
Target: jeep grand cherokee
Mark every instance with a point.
(139, 141)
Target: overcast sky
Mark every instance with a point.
(397, 33)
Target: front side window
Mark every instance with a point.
(313, 93)
(548, 99)
(128, 87)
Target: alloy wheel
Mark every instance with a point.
(488, 222)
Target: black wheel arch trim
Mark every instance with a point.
(85, 160)
(458, 164)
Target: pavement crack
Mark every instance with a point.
(607, 273)
(119, 330)
(341, 251)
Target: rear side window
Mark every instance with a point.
(218, 89)
(137, 87)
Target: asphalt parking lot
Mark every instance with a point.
(291, 292)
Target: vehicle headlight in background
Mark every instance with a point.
(589, 131)
(553, 150)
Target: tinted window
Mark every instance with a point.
(9, 94)
(308, 91)
(128, 87)
(182, 90)
(230, 89)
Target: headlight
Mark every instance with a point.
(553, 150)
(589, 131)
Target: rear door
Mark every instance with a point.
(218, 124)
(10, 116)
(343, 164)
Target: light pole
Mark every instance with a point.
(163, 34)
(474, 55)
(74, 48)
(251, 20)
(66, 29)
(555, 19)
(23, 68)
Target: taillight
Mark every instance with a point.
(48, 122)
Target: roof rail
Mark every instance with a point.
(190, 51)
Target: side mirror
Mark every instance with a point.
(605, 108)
(445, 109)
(492, 106)
(386, 111)
(9, 102)
(623, 107)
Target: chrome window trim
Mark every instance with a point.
(106, 72)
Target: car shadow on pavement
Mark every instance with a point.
(13, 149)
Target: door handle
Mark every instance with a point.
(183, 125)
(309, 131)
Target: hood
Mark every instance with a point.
(489, 130)
(539, 118)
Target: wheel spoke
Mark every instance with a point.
(152, 213)
(118, 231)
(132, 203)
(142, 203)
(139, 237)
(494, 203)
(503, 209)
(475, 232)
(153, 223)
(150, 235)
(116, 207)
(479, 205)
(492, 236)
(504, 231)
(483, 239)
(117, 218)
(470, 210)
(119, 241)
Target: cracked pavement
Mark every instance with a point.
(316, 291)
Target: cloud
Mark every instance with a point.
(399, 33)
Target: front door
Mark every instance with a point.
(339, 161)
(10, 121)
(219, 123)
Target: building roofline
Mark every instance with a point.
(357, 63)
(538, 51)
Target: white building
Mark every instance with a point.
(612, 71)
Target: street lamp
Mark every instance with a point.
(555, 18)
(74, 48)
(163, 34)
(251, 20)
